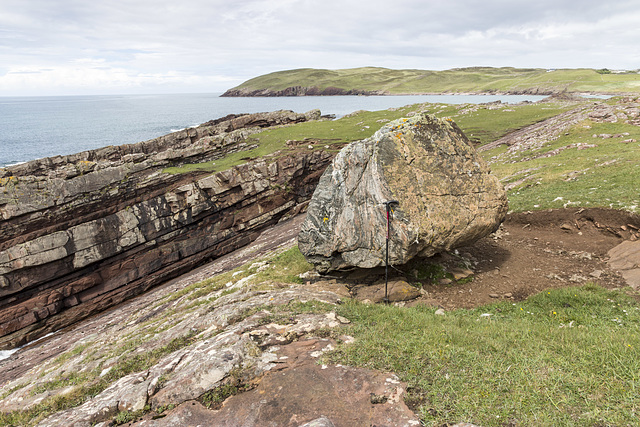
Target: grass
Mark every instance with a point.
(329, 133)
(483, 125)
(471, 79)
(213, 398)
(125, 417)
(604, 174)
(563, 357)
(285, 267)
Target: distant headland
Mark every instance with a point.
(470, 80)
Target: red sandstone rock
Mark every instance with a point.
(84, 232)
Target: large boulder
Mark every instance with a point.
(447, 197)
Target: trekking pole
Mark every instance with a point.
(386, 268)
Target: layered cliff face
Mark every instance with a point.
(82, 233)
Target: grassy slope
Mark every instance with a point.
(473, 79)
(485, 126)
(603, 175)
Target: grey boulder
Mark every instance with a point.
(446, 193)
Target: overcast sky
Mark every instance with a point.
(66, 47)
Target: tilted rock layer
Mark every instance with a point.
(447, 197)
(82, 233)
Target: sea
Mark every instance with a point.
(37, 127)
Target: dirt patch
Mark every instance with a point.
(537, 251)
(531, 252)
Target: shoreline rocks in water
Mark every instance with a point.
(447, 197)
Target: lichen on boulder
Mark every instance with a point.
(446, 193)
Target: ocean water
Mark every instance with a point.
(36, 127)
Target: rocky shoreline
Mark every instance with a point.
(84, 232)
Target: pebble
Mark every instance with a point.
(494, 296)
(461, 273)
(576, 278)
(439, 312)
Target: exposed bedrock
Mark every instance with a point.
(82, 233)
(447, 197)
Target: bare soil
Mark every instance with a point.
(531, 252)
(535, 251)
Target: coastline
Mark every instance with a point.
(301, 91)
(51, 126)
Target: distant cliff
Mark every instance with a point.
(84, 232)
(300, 91)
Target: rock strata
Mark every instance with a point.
(84, 232)
(447, 197)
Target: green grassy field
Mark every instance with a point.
(472, 79)
(566, 357)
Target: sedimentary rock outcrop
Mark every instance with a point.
(447, 197)
(229, 338)
(84, 232)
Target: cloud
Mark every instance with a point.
(95, 76)
(73, 46)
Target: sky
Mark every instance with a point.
(82, 47)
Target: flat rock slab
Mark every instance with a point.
(397, 290)
(303, 393)
(626, 259)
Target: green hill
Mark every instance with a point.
(373, 80)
